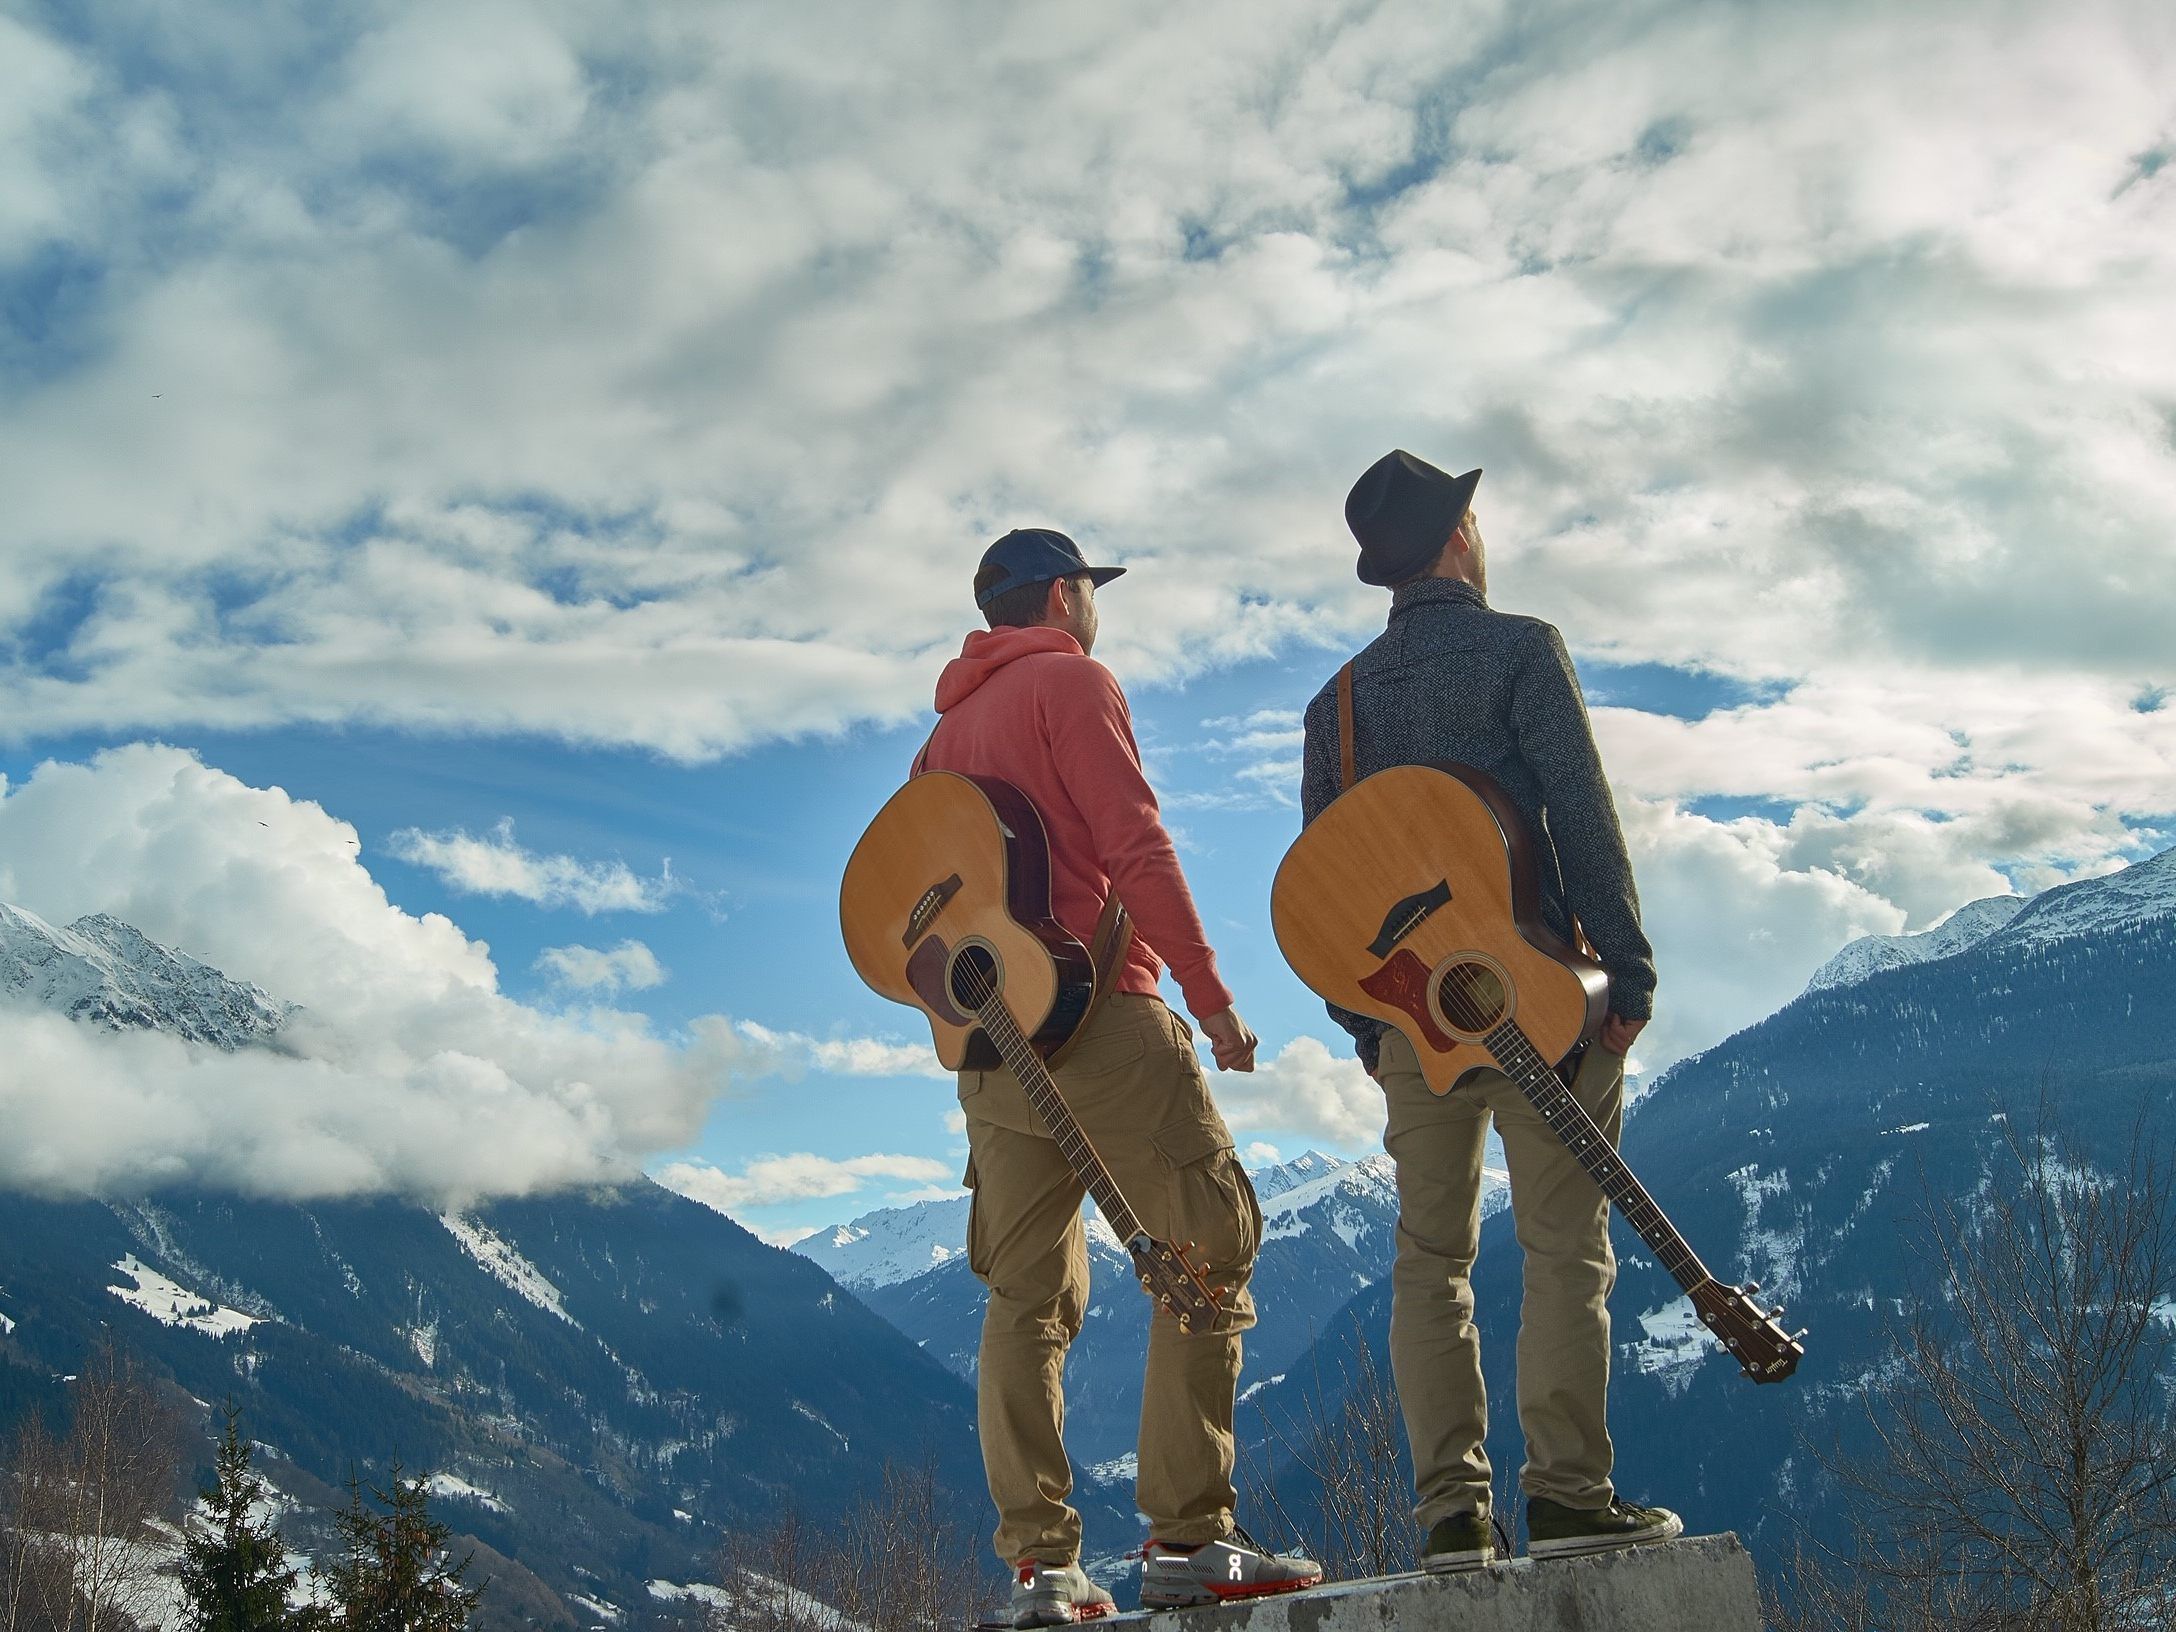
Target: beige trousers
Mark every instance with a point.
(1562, 1224)
(1136, 1087)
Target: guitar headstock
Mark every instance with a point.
(1754, 1336)
(1171, 1278)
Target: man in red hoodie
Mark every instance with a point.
(1024, 701)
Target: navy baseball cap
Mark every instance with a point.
(1035, 555)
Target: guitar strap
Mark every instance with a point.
(1107, 948)
(1107, 951)
(1345, 744)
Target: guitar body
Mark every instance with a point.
(946, 907)
(1413, 898)
(948, 890)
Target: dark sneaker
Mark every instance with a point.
(1176, 1576)
(1464, 1541)
(1055, 1595)
(1556, 1531)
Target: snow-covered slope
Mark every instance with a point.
(1870, 954)
(2136, 895)
(890, 1245)
(1272, 1182)
(105, 973)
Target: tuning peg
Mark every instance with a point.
(1799, 1335)
(1776, 1313)
(1750, 1287)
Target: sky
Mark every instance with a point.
(489, 488)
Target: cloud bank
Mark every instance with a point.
(553, 387)
(408, 1071)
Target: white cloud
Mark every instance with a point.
(768, 1181)
(1260, 1154)
(1792, 342)
(1736, 924)
(1305, 1090)
(407, 1070)
(629, 965)
(792, 1052)
(496, 865)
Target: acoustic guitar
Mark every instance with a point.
(1413, 898)
(946, 908)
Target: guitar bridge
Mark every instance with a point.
(1406, 916)
(926, 910)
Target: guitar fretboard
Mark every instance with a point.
(1547, 1093)
(1073, 1144)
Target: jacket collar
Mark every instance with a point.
(1433, 592)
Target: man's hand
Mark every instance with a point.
(1232, 1039)
(1618, 1032)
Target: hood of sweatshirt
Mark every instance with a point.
(988, 650)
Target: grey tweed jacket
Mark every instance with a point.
(1453, 679)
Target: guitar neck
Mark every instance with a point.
(1547, 1093)
(1073, 1142)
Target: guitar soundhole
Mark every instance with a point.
(974, 977)
(1472, 997)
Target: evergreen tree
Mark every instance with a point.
(394, 1574)
(236, 1579)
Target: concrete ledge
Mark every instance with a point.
(1700, 1584)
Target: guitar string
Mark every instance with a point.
(1072, 1139)
(983, 996)
(1471, 995)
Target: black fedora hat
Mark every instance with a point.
(1403, 511)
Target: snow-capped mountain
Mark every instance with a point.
(2138, 895)
(1328, 1230)
(890, 1245)
(1870, 954)
(106, 973)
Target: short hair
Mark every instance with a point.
(1429, 565)
(1020, 607)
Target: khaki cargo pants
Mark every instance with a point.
(1562, 1223)
(1137, 1089)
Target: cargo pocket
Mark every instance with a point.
(1211, 1203)
(977, 1253)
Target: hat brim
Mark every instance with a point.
(1099, 576)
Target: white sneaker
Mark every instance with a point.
(1055, 1595)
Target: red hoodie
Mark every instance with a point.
(1030, 706)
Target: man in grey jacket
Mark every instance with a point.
(1453, 679)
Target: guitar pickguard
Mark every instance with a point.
(926, 968)
(1403, 982)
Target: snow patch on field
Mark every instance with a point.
(603, 1611)
(503, 1264)
(172, 1304)
(817, 1417)
(1119, 1470)
(1675, 1344)
(1774, 1254)
(453, 1487)
(671, 1592)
